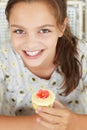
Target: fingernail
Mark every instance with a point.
(38, 119)
(37, 111)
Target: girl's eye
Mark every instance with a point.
(19, 31)
(45, 31)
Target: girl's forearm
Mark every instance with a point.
(20, 123)
(81, 123)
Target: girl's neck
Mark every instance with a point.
(43, 72)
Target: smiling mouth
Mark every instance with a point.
(33, 53)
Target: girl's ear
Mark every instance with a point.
(64, 24)
(63, 27)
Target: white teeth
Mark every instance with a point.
(32, 53)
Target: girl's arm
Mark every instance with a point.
(20, 123)
(81, 122)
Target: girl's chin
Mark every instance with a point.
(33, 64)
(34, 61)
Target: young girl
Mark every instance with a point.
(43, 54)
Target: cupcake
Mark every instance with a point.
(43, 97)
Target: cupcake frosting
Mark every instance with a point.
(43, 97)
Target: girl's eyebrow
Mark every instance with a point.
(17, 26)
(41, 26)
(46, 26)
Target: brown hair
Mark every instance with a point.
(66, 50)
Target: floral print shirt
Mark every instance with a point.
(17, 84)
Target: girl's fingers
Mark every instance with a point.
(47, 124)
(57, 104)
(52, 111)
(50, 118)
(50, 125)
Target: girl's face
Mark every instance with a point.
(34, 33)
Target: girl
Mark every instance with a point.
(43, 54)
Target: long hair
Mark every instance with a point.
(66, 49)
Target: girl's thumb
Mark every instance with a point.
(57, 104)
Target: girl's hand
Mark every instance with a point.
(57, 118)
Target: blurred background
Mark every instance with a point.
(77, 13)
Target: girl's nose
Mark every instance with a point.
(31, 38)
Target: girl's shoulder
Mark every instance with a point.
(5, 45)
(5, 49)
(82, 52)
(82, 49)
(7, 54)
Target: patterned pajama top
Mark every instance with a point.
(17, 84)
